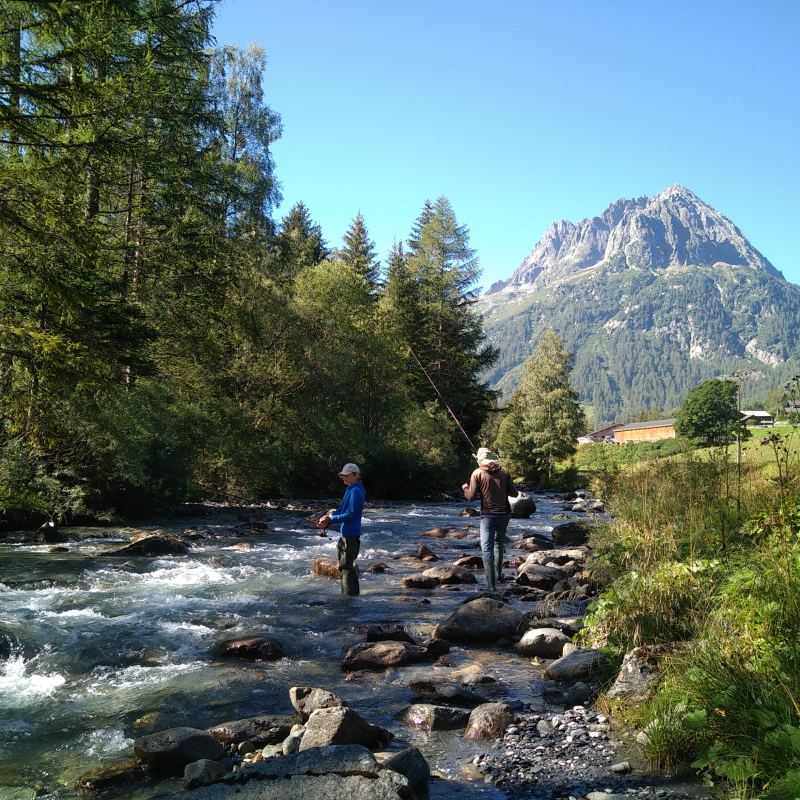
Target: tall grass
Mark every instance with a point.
(704, 550)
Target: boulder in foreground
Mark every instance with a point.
(489, 721)
(260, 648)
(329, 726)
(171, 750)
(377, 656)
(575, 666)
(481, 621)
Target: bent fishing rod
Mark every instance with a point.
(444, 402)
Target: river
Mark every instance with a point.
(108, 648)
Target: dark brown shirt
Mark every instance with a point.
(495, 486)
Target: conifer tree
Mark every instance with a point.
(358, 250)
(544, 418)
(300, 242)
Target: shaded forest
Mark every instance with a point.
(163, 335)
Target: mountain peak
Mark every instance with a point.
(674, 228)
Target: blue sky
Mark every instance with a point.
(523, 113)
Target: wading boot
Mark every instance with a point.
(489, 570)
(498, 564)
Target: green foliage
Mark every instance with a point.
(544, 419)
(709, 414)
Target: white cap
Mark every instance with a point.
(350, 469)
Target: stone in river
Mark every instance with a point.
(482, 621)
(409, 762)
(49, 534)
(327, 567)
(328, 726)
(420, 582)
(539, 576)
(522, 506)
(376, 567)
(202, 773)
(436, 718)
(489, 721)
(307, 700)
(570, 533)
(261, 730)
(442, 691)
(377, 656)
(469, 562)
(449, 576)
(468, 512)
(436, 533)
(542, 643)
(173, 749)
(151, 546)
(260, 648)
(376, 634)
(103, 778)
(426, 554)
(575, 666)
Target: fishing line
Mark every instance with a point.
(410, 350)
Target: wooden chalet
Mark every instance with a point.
(757, 417)
(604, 434)
(646, 431)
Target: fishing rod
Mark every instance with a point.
(444, 402)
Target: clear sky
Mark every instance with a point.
(522, 113)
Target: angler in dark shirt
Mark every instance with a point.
(494, 485)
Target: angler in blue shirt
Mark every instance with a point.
(347, 517)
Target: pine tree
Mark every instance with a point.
(358, 251)
(300, 242)
(544, 419)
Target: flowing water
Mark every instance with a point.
(108, 648)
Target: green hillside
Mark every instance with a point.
(643, 338)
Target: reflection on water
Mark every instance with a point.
(105, 649)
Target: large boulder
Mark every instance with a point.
(489, 721)
(539, 576)
(257, 648)
(377, 634)
(377, 656)
(307, 700)
(542, 643)
(171, 750)
(442, 691)
(420, 582)
(49, 533)
(575, 666)
(641, 670)
(482, 621)
(328, 726)
(557, 558)
(260, 730)
(436, 718)
(202, 773)
(450, 575)
(570, 533)
(522, 506)
(409, 762)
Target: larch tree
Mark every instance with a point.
(544, 417)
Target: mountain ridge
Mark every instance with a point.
(653, 296)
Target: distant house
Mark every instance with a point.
(604, 434)
(792, 407)
(646, 431)
(757, 417)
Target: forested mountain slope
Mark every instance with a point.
(653, 296)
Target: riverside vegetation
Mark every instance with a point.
(161, 335)
(701, 567)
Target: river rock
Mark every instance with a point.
(449, 576)
(468, 512)
(307, 700)
(482, 621)
(426, 554)
(104, 778)
(261, 730)
(570, 533)
(328, 726)
(436, 718)
(202, 773)
(152, 546)
(542, 643)
(173, 749)
(583, 494)
(489, 721)
(469, 562)
(377, 656)
(436, 533)
(376, 634)
(568, 625)
(420, 582)
(539, 576)
(557, 557)
(443, 691)
(575, 666)
(640, 672)
(49, 533)
(259, 648)
(376, 568)
(327, 567)
(522, 506)
(409, 762)
(343, 771)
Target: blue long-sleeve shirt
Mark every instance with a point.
(349, 511)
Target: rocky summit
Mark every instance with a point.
(653, 296)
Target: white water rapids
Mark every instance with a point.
(104, 650)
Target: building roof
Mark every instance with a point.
(656, 423)
(607, 429)
(757, 412)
